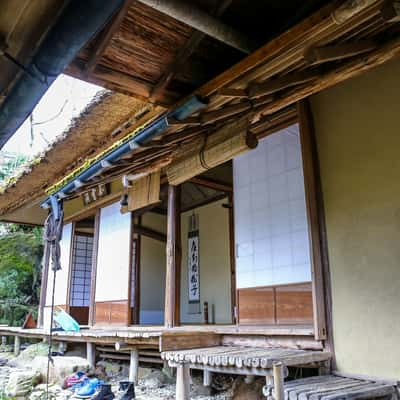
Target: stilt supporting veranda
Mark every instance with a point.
(17, 345)
(91, 353)
(62, 347)
(278, 381)
(207, 378)
(134, 366)
(183, 382)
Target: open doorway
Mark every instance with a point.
(207, 290)
(81, 269)
(207, 269)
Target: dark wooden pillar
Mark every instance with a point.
(174, 254)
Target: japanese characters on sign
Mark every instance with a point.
(95, 193)
(193, 267)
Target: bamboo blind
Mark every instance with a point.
(210, 151)
(144, 191)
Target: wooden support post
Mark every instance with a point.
(91, 353)
(279, 393)
(173, 272)
(134, 366)
(207, 377)
(183, 382)
(17, 345)
(62, 347)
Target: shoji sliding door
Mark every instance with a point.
(271, 231)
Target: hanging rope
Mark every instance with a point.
(52, 235)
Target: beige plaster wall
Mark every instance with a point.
(215, 285)
(152, 270)
(357, 125)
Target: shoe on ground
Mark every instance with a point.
(126, 390)
(88, 389)
(104, 393)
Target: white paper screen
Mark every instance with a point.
(271, 229)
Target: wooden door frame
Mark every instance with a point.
(322, 292)
(232, 259)
(93, 277)
(96, 215)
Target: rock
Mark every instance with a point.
(155, 379)
(20, 383)
(143, 372)
(197, 388)
(26, 356)
(111, 369)
(63, 367)
(55, 393)
(251, 391)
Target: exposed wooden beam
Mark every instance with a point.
(272, 86)
(346, 70)
(204, 202)
(212, 184)
(318, 55)
(185, 52)
(151, 233)
(231, 92)
(224, 112)
(105, 37)
(189, 14)
(390, 11)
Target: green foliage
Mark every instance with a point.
(10, 162)
(20, 266)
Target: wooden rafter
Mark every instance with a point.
(185, 52)
(318, 55)
(105, 38)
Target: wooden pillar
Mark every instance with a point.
(173, 272)
(134, 366)
(17, 345)
(207, 378)
(62, 347)
(278, 381)
(91, 353)
(183, 382)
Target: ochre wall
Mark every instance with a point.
(357, 126)
(215, 284)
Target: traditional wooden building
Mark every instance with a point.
(252, 223)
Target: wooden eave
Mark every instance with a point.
(154, 57)
(267, 84)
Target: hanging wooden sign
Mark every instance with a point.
(95, 193)
(193, 267)
(193, 261)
